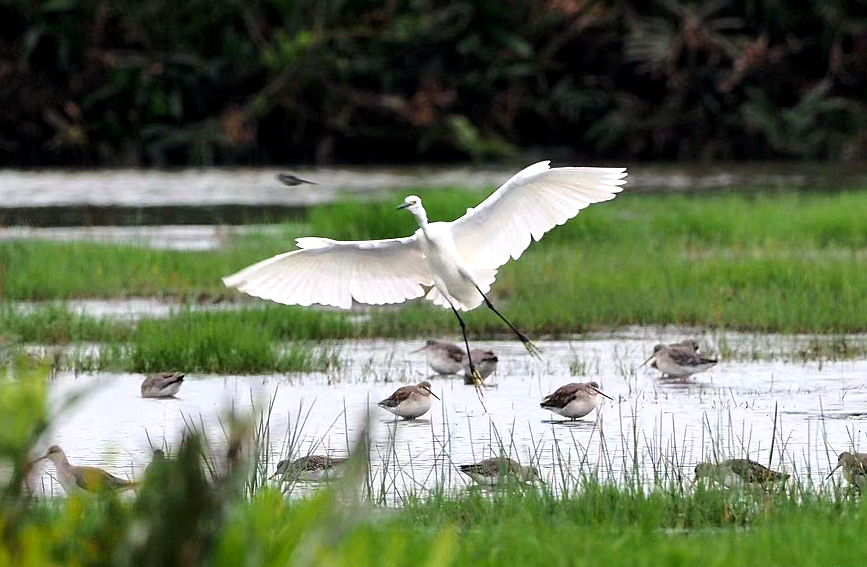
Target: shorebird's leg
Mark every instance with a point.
(528, 344)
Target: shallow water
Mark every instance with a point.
(822, 409)
(51, 198)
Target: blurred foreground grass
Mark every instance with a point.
(208, 507)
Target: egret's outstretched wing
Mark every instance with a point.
(331, 272)
(532, 202)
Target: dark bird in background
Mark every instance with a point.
(291, 180)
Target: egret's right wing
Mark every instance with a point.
(532, 202)
(331, 272)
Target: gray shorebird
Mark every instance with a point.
(854, 467)
(409, 402)
(444, 357)
(679, 360)
(574, 400)
(738, 471)
(486, 364)
(498, 470)
(90, 479)
(312, 467)
(291, 180)
(162, 385)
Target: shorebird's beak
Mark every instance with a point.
(694, 482)
(432, 394)
(600, 392)
(417, 350)
(651, 357)
(833, 470)
(403, 206)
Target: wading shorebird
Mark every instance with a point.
(291, 180)
(453, 264)
(448, 358)
(486, 364)
(409, 402)
(162, 385)
(499, 470)
(90, 479)
(311, 468)
(738, 471)
(443, 357)
(574, 400)
(679, 360)
(854, 467)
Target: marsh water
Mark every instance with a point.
(668, 425)
(662, 427)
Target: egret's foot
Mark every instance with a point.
(479, 385)
(534, 351)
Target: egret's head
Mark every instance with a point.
(413, 203)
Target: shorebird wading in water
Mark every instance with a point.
(448, 358)
(409, 402)
(574, 400)
(679, 360)
(854, 467)
(457, 260)
(498, 470)
(311, 467)
(74, 479)
(162, 385)
(738, 471)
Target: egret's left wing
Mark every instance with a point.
(532, 202)
(332, 272)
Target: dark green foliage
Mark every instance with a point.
(124, 82)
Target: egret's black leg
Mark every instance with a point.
(528, 344)
(477, 378)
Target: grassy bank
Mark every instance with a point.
(771, 262)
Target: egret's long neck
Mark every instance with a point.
(421, 218)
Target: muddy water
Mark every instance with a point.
(729, 410)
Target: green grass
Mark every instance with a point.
(768, 262)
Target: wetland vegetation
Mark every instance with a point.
(762, 262)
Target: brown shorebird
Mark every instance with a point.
(854, 467)
(679, 360)
(162, 385)
(486, 364)
(448, 358)
(409, 402)
(444, 357)
(291, 180)
(498, 470)
(738, 471)
(574, 400)
(312, 467)
(90, 479)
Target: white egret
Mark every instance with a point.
(456, 260)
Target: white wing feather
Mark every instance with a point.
(532, 202)
(331, 272)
